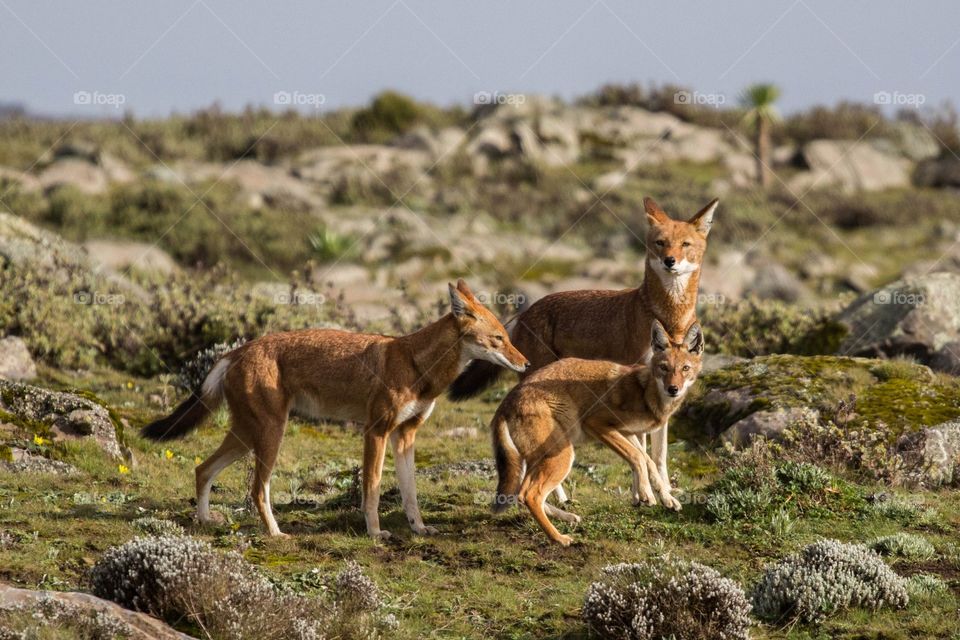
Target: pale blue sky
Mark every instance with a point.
(185, 54)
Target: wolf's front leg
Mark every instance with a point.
(659, 450)
(402, 440)
(374, 449)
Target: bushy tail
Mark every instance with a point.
(509, 465)
(478, 375)
(191, 413)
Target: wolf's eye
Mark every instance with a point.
(661, 243)
(498, 338)
(686, 244)
(686, 367)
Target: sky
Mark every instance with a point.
(101, 58)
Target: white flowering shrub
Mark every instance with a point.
(179, 577)
(666, 598)
(823, 578)
(158, 527)
(49, 617)
(904, 545)
(193, 372)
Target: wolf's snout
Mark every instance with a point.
(673, 390)
(669, 261)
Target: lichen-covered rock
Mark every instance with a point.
(933, 454)
(904, 396)
(918, 316)
(65, 415)
(769, 424)
(66, 609)
(22, 461)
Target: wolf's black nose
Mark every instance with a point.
(669, 261)
(673, 390)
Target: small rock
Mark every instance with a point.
(462, 433)
(15, 361)
(769, 424)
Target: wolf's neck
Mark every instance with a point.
(662, 408)
(436, 353)
(673, 297)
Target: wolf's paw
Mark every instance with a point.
(564, 541)
(647, 499)
(280, 535)
(212, 518)
(424, 530)
(381, 535)
(671, 503)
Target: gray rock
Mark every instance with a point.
(85, 176)
(769, 424)
(15, 361)
(121, 255)
(850, 166)
(69, 416)
(142, 626)
(918, 316)
(22, 461)
(932, 455)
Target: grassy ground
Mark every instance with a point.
(484, 575)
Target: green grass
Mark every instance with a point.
(484, 575)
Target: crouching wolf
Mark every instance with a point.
(537, 424)
(387, 384)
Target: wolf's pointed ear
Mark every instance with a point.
(655, 215)
(693, 341)
(703, 219)
(659, 338)
(464, 289)
(458, 301)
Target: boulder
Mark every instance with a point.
(850, 166)
(122, 255)
(918, 316)
(25, 181)
(262, 184)
(766, 394)
(769, 424)
(67, 415)
(140, 626)
(81, 174)
(22, 461)
(933, 455)
(440, 144)
(16, 364)
(338, 169)
(938, 172)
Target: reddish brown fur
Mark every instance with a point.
(387, 384)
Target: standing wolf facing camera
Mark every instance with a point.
(614, 325)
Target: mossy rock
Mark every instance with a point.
(901, 394)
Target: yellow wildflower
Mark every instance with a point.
(168, 454)
(123, 469)
(40, 440)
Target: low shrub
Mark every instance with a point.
(158, 527)
(904, 545)
(824, 578)
(922, 585)
(666, 598)
(194, 371)
(181, 579)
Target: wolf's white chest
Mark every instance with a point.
(422, 408)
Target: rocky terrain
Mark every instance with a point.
(830, 301)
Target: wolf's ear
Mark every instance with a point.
(458, 300)
(703, 219)
(465, 290)
(659, 338)
(693, 341)
(655, 215)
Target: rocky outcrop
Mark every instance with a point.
(67, 415)
(933, 455)
(71, 604)
(918, 316)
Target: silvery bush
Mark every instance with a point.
(666, 598)
(179, 577)
(823, 578)
(194, 371)
(158, 527)
(904, 545)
